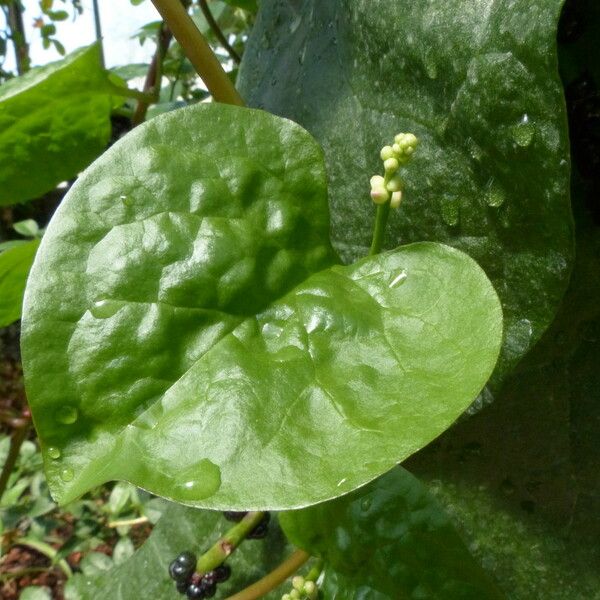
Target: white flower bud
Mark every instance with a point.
(394, 184)
(377, 182)
(396, 199)
(298, 582)
(391, 165)
(410, 139)
(387, 152)
(399, 138)
(397, 149)
(310, 587)
(295, 595)
(380, 195)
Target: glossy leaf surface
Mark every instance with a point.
(477, 83)
(54, 121)
(194, 354)
(145, 574)
(390, 539)
(15, 263)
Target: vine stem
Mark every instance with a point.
(98, 30)
(17, 33)
(219, 552)
(196, 48)
(19, 435)
(274, 578)
(383, 211)
(212, 23)
(154, 74)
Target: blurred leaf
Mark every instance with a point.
(123, 550)
(54, 121)
(27, 228)
(95, 563)
(35, 593)
(249, 5)
(15, 264)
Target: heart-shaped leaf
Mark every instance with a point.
(193, 353)
(390, 539)
(478, 83)
(54, 121)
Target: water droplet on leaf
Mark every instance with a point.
(67, 474)
(67, 415)
(494, 195)
(450, 211)
(523, 132)
(104, 309)
(398, 279)
(201, 480)
(53, 453)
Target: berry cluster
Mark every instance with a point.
(194, 585)
(393, 157)
(259, 532)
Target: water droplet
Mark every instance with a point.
(53, 453)
(126, 200)
(67, 474)
(494, 195)
(366, 504)
(398, 279)
(67, 415)
(201, 480)
(450, 211)
(104, 309)
(523, 132)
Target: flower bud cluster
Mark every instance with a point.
(303, 590)
(389, 187)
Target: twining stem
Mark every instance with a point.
(19, 435)
(48, 551)
(217, 31)
(98, 30)
(154, 74)
(196, 48)
(215, 556)
(383, 211)
(17, 34)
(274, 578)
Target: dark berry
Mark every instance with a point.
(210, 578)
(182, 587)
(187, 558)
(180, 572)
(195, 592)
(233, 516)
(222, 573)
(259, 532)
(208, 590)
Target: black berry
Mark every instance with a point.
(261, 530)
(195, 591)
(180, 572)
(233, 516)
(182, 586)
(187, 558)
(208, 590)
(222, 573)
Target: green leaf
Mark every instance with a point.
(478, 84)
(53, 122)
(123, 550)
(27, 228)
(35, 593)
(391, 536)
(15, 263)
(96, 563)
(145, 574)
(197, 352)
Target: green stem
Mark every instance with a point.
(19, 435)
(48, 551)
(315, 570)
(383, 211)
(218, 33)
(196, 48)
(274, 578)
(219, 552)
